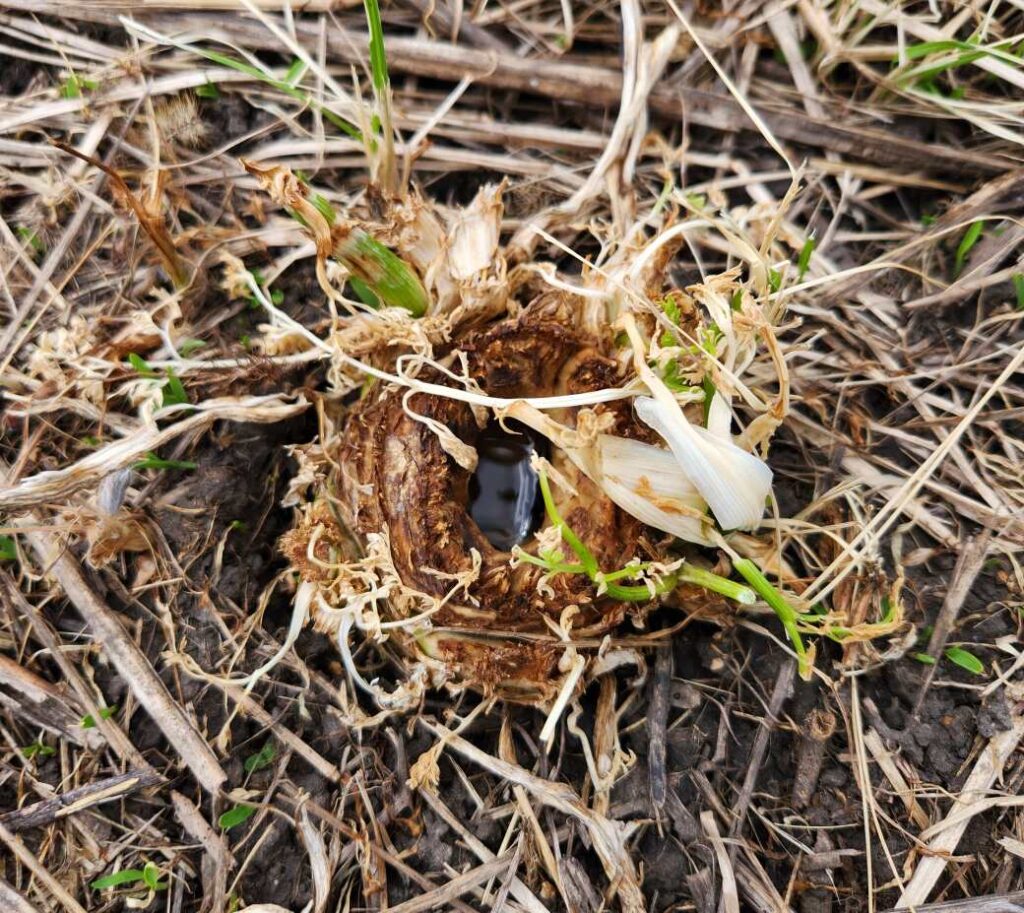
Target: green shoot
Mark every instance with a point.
(672, 312)
(667, 187)
(72, 86)
(708, 385)
(1018, 288)
(671, 308)
(8, 550)
(263, 758)
(709, 343)
(151, 876)
(363, 292)
(174, 390)
(141, 366)
(789, 616)
(554, 563)
(152, 461)
(295, 72)
(148, 877)
(587, 560)
(367, 386)
(804, 261)
(324, 207)
(690, 573)
(189, 347)
(956, 655)
(115, 880)
(675, 381)
(38, 749)
(208, 90)
(378, 56)
(31, 239)
(237, 814)
(89, 721)
(959, 54)
(970, 238)
(965, 660)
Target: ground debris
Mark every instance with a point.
(236, 675)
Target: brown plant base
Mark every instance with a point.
(393, 475)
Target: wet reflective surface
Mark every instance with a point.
(504, 495)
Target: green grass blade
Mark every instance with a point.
(970, 238)
(1018, 289)
(378, 57)
(281, 85)
(363, 292)
(965, 660)
(173, 392)
(969, 53)
(382, 154)
(89, 721)
(152, 461)
(804, 263)
(116, 879)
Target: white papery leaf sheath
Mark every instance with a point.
(645, 481)
(734, 483)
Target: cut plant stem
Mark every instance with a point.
(787, 614)
(818, 728)
(382, 271)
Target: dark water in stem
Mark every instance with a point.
(504, 494)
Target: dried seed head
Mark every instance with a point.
(179, 121)
(287, 190)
